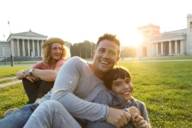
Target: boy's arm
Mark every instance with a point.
(141, 119)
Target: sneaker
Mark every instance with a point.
(9, 111)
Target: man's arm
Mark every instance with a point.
(63, 91)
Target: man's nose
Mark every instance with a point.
(106, 55)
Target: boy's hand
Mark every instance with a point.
(133, 110)
(118, 117)
(136, 118)
(139, 121)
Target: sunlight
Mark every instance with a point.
(133, 39)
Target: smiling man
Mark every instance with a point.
(76, 86)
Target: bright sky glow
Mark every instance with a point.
(79, 20)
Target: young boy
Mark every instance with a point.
(118, 82)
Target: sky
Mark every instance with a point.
(79, 20)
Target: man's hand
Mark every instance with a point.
(118, 117)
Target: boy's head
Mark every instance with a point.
(119, 81)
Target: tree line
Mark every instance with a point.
(85, 49)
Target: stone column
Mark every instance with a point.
(28, 47)
(170, 49)
(18, 48)
(176, 47)
(12, 47)
(156, 49)
(38, 48)
(181, 47)
(23, 44)
(162, 48)
(33, 44)
(41, 44)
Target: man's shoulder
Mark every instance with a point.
(77, 59)
(104, 97)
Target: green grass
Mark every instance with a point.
(12, 97)
(165, 87)
(7, 71)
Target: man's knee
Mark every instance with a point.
(54, 106)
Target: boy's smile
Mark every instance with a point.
(123, 88)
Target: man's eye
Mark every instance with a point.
(101, 50)
(112, 53)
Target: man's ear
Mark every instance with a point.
(117, 60)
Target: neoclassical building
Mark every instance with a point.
(173, 43)
(4, 49)
(21, 45)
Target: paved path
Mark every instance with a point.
(7, 78)
(10, 81)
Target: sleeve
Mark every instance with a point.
(66, 82)
(38, 65)
(59, 64)
(144, 112)
(103, 97)
(68, 76)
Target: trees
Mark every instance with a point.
(83, 49)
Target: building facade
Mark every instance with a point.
(4, 50)
(22, 45)
(173, 43)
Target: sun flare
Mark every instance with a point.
(133, 39)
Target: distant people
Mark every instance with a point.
(38, 80)
(119, 95)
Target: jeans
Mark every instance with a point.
(37, 89)
(51, 114)
(18, 118)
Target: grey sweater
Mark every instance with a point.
(75, 88)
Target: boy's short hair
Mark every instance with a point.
(114, 74)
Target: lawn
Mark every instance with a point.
(165, 87)
(8, 71)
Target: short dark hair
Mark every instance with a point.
(110, 37)
(114, 74)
